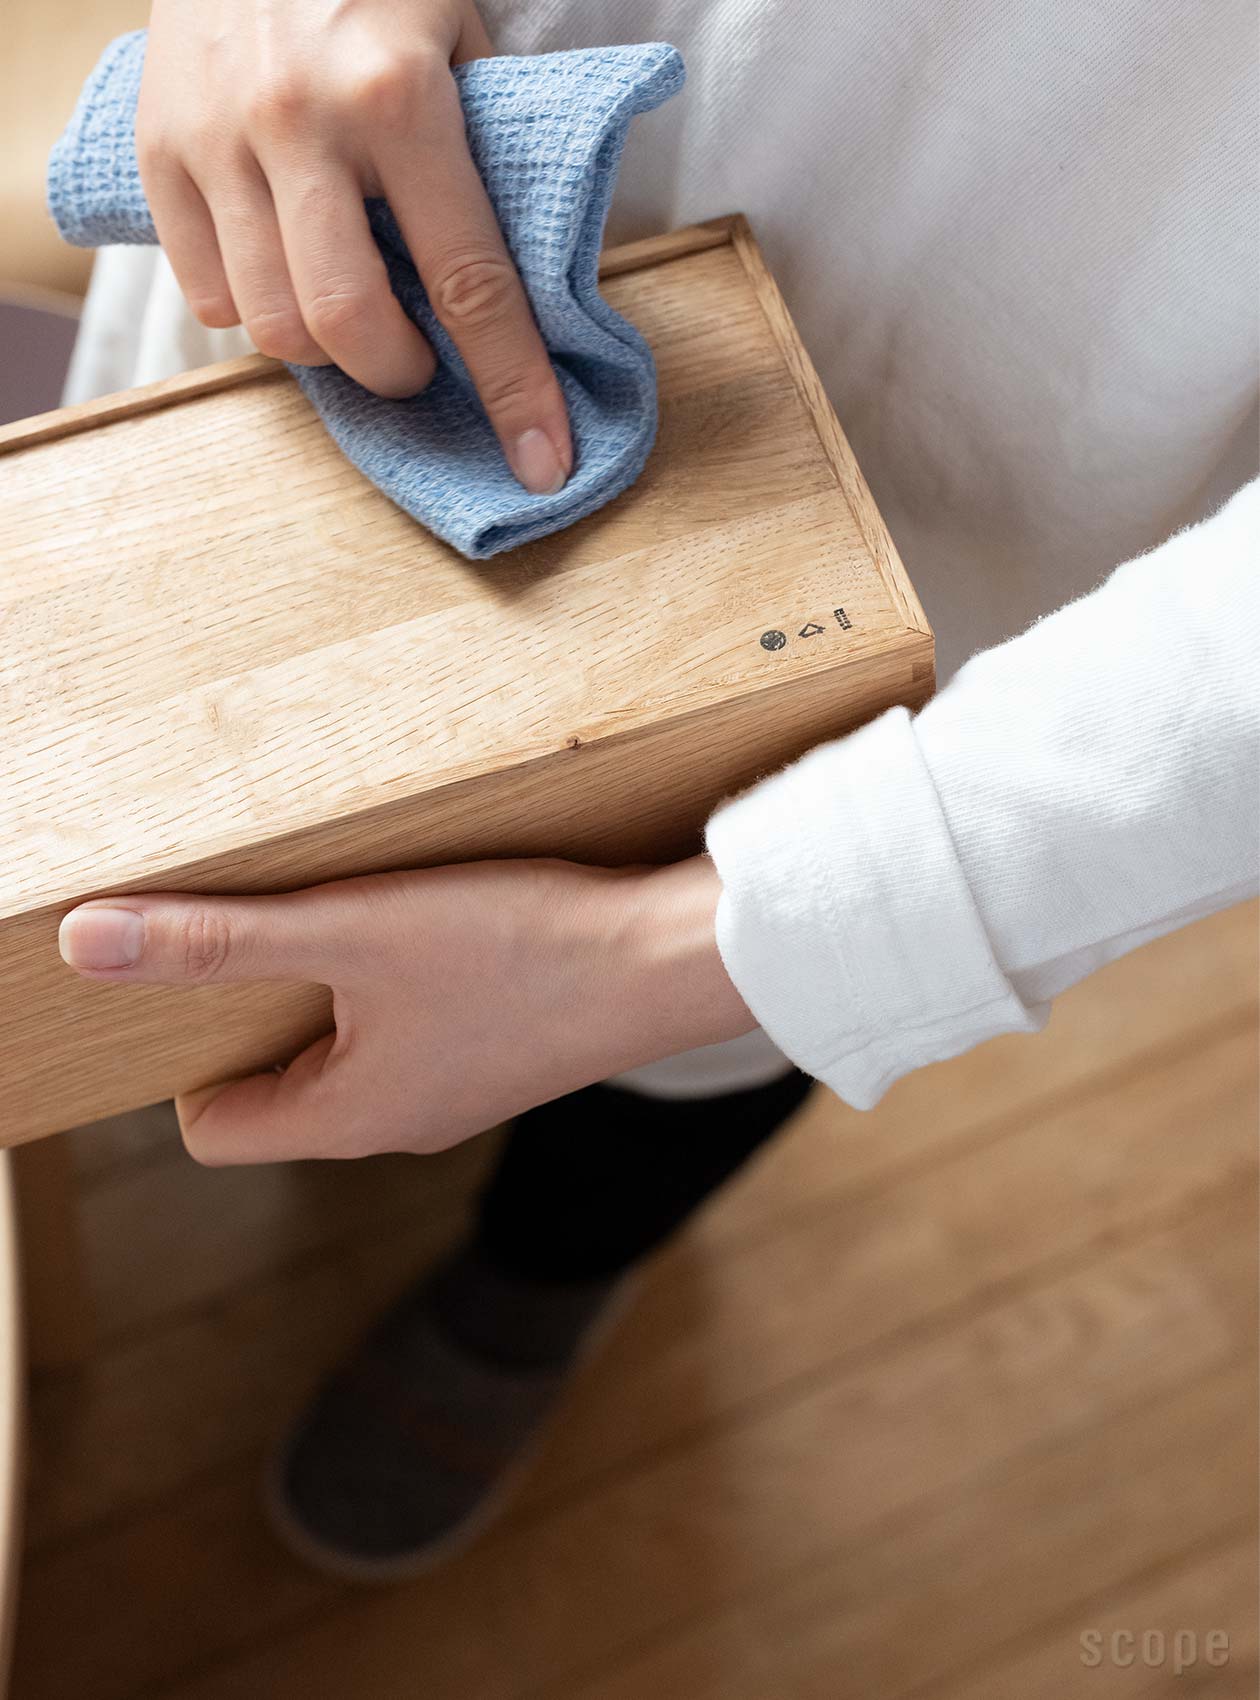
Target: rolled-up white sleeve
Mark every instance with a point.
(898, 896)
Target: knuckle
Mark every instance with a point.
(340, 314)
(388, 88)
(277, 102)
(279, 332)
(473, 292)
(512, 391)
(205, 943)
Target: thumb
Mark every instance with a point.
(178, 939)
(275, 1117)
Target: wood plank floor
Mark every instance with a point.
(924, 1397)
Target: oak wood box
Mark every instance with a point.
(230, 665)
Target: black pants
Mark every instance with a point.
(589, 1184)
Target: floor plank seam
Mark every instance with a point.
(1222, 1194)
(948, 1317)
(136, 1334)
(1009, 1468)
(886, 1179)
(987, 1134)
(1073, 1614)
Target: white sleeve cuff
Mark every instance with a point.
(846, 921)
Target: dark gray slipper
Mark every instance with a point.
(416, 1441)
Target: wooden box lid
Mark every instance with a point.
(231, 664)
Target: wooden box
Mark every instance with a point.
(230, 664)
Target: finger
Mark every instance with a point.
(269, 1118)
(182, 940)
(449, 226)
(186, 231)
(474, 41)
(254, 259)
(340, 279)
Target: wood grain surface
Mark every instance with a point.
(233, 665)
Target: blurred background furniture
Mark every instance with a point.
(49, 48)
(37, 329)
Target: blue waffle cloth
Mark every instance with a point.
(547, 134)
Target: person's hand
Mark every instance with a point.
(261, 128)
(461, 996)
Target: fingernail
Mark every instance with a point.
(536, 463)
(101, 938)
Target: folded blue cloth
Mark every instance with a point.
(547, 135)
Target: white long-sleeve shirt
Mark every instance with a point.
(898, 896)
(1020, 243)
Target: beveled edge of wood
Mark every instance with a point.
(853, 486)
(671, 245)
(145, 398)
(246, 368)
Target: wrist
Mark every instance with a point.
(665, 959)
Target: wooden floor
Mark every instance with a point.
(921, 1400)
